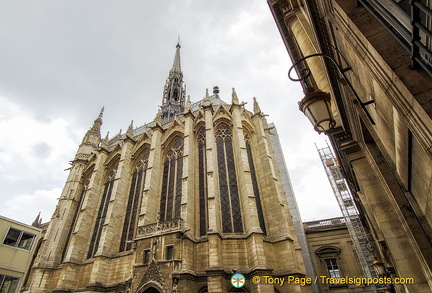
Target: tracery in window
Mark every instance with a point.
(228, 189)
(135, 195)
(172, 182)
(100, 220)
(202, 182)
(255, 184)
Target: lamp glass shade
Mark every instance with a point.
(316, 106)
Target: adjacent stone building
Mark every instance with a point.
(376, 67)
(333, 255)
(177, 205)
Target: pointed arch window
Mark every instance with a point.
(100, 220)
(172, 182)
(255, 184)
(134, 202)
(228, 189)
(202, 182)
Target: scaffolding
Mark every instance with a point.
(349, 210)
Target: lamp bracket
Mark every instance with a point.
(306, 72)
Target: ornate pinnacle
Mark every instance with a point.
(157, 119)
(98, 122)
(234, 97)
(130, 129)
(256, 107)
(188, 104)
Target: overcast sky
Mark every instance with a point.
(61, 61)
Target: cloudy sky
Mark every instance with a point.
(61, 61)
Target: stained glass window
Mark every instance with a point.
(135, 194)
(255, 184)
(100, 220)
(228, 189)
(172, 182)
(202, 182)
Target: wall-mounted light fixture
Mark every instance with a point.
(316, 103)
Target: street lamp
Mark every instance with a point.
(316, 103)
(316, 106)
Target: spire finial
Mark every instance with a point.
(101, 112)
(38, 221)
(234, 97)
(177, 64)
(130, 129)
(98, 122)
(256, 107)
(157, 119)
(104, 142)
(188, 104)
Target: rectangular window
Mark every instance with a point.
(169, 252)
(146, 256)
(8, 284)
(332, 268)
(19, 239)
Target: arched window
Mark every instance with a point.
(202, 182)
(100, 220)
(135, 192)
(229, 195)
(172, 182)
(255, 184)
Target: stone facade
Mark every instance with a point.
(176, 205)
(386, 156)
(333, 255)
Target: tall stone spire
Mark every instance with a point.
(91, 139)
(174, 91)
(98, 122)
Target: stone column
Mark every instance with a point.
(189, 197)
(152, 188)
(61, 221)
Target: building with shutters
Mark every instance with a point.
(370, 63)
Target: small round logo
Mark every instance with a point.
(238, 280)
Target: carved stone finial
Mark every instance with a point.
(130, 129)
(234, 97)
(38, 221)
(256, 107)
(98, 122)
(104, 142)
(158, 118)
(207, 96)
(188, 104)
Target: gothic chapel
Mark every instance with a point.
(177, 205)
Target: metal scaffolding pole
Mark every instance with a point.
(349, 211)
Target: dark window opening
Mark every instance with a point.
(146, 256)
(169, 252)
(19, 239)
(229, 194)
(172, 182)
(8, 284)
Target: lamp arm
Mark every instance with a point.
(306, 72)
